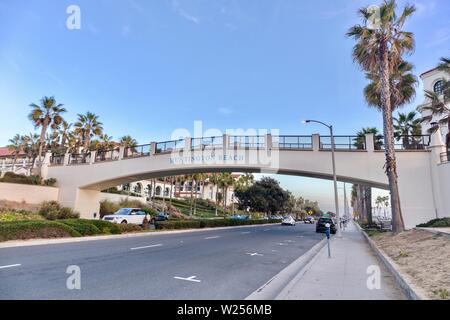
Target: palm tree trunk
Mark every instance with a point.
(368, 204)
(192, 196)
(391, 165)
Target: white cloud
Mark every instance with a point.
(176, 7)
(225, 111)
(440, 36)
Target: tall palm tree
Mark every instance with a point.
(360, 140)
(225, 181)
(129, 143)
(214, 179)
(87, 127)
(15, 146)
(380, 53)
(444, 65)
(30, 144)
(64, 133)
(47, 114)
(406, 125)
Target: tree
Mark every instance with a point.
(87, 127)
(30, 145)
(360, 139)
(406, 125)
(380, 53)
(47, 114)
(265, 195)
(214, 179)
(15, 146)
(65, 135)
(129, 143)
(226, 180)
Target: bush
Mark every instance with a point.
(51, 210)
(84, 227)
(106, 227)
(50, 182)
(127, 228)
(18, 215)
(107, 207)
(11, 177)
(436, 223)
(213, 223)
(21, 230)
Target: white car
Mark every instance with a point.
(127, 215)
(288, 221)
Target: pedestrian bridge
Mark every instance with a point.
(81, 177)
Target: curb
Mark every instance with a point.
(411, 291)
(39, 242)
(273, 288)
(431, 230)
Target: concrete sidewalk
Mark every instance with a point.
(344, 275)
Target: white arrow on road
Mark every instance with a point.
(10, 266)
(192, 279)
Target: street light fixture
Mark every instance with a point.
(336, 197)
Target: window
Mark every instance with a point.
(438, 87)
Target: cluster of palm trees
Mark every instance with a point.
(59, 136)
(380, 51)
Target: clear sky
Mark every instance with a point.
(150, 67)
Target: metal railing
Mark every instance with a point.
(79, 158)
(292, 142)
(169, 146)
(107, 155)
(207, 143)
(247, 142)
(411, 142)
(57, 160)
(343, 143)
(143, 150)
(445, 157)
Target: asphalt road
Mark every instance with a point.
(214, 264)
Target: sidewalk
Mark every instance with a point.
(344, 275)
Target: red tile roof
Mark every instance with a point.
(5, 152)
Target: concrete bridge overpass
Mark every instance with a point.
(80, 178)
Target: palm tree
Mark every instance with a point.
(406, 125)
(30, 145)
(360, 139)
(225, 181)
(64, 133)
(15, 146)
(445, 65)
(45, 115)
(380, 53)
(129, 143)
(87, 127)
(214, 179)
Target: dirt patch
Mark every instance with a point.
(19, 205)
(424, 256)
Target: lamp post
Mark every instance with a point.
(336, 197)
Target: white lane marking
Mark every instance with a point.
(146, 247)
(191, 278)
(266, 230)
(214, 237)
(10, 266)
(282, 244)
(247, 232)
(254, 254)
(290, 241)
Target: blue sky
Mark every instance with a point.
(150, 67)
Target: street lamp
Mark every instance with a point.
(336, 198)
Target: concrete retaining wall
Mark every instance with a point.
(27, 193)
(119, 197)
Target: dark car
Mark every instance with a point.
(321, 225)
(161, 216)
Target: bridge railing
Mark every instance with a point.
(248, 142)
(409, 142)
(107, 155)
(292, 142)
(79, 158)
(143, 150)
(169, 146)
(343, 143)
(445, 157)
(56, 159)
(207, 143)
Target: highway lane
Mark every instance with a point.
(213, 264)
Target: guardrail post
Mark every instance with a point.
(93, 155)
(152, 148)
(269, 144)
(66, 159)
(370, 142)
(225, 142)
(316, 142)
(187, 144)
(121, 152)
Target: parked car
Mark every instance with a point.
(276, 217)
(288, 221)
(309, 220)
(161, 216)
(127, 215)
(239, 217)
(321, 225)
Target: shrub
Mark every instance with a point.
(18, 215)
(49, 182)
(127, 203)
(51, 210)
(21, 230)
(106, 227)
(127, 228)
(436, 223)
(213, 223)
(84, 227)
(11, 177)
(108, 207)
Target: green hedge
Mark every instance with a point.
(11, 177)
(21, 230)
(197, 224)
(436, 223)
